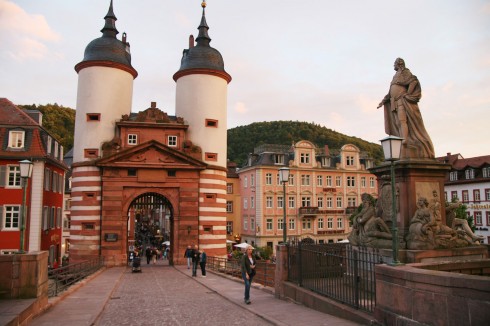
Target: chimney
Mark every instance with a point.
(153, 105)
(327, 151)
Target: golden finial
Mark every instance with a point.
(203, 4)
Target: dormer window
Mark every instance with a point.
(16, 139)
(304, 158)
(279, 159)
(132, 139)
(172, 141)
(325, 161)
(486, 172)
(453, 176)
(349, 160)
(470, 174)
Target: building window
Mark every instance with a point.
(292, 224)
(229, 188)
(245, 203)
(328, 181)
(245, 182)
(340, 223)
(245, 224)
(252, 180)
(476, 195)
(351, 182)
(252, 202)
(279, 159)
(278, 181)
(338, 181)
(212, 123)
(371, 182)
(279, 224)
(16, 139)
(252, 224)
(305, 180)
(211, 156)
(487, 195)
(291, 202)
(488, 218)
(132, 139)
(268, 179)
(268, 202)
(319, 181)
(12, 218)
(349, 160)
(486, 172)
(320, 223)
(304, 158)
(306, 224)
(14, 176)
(339, 202)
(470, 174)
(330, 223)
(454, 195)
(305, 202)
(478, 218)
(172, 141)
(291, 180)
(229, 227)
(93, 116)
(171, 173)
(453, 176)
(280, 202)
(351, 202)
(268, 224)
(465, 196)
(229, 207)
(132, 172)
(329, 202)
(319, 202)
(363, 182)
(91, 153)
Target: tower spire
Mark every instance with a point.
(203, 37)
(110, 29)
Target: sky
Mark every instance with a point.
(322, 61)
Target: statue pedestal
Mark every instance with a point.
(436, 255)
(413, 179)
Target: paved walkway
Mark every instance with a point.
(164, 295)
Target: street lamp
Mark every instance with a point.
(25, 174)
(284, 178)
(391, 148)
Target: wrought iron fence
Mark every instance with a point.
(265, 271)
(338, 271)
(61, 278)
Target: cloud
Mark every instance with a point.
(24, 36)
(240, 108)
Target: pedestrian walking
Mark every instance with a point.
(188, 256)
(202, 262)
(195, 260)
(247, 267)
(148, 255)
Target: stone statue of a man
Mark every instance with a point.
(402, 115)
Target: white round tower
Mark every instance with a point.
(201, 96)
(105, 90)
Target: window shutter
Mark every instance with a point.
(3, 175)
(1, 217)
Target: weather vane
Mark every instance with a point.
(203, 4)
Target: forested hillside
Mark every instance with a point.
(243, 139)
(58, 120)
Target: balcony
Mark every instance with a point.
(308, 211)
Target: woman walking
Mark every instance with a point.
(247, 266)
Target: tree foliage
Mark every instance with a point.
(242, 140)
(58, 120)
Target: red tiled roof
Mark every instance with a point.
(10, 114)
(459, 163)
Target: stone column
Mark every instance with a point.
(281, 270)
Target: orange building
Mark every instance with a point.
(323, 190)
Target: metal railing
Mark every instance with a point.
(265, 272)
(61, 278)
(338, 271)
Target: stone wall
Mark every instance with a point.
(433, 294)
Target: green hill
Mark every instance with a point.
(242, 140)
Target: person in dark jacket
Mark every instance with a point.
(247, 267)
(195, 259)
(188, 256)
(148, 255)
(202, 262)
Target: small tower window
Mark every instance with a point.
(211, 157)
(172, 141)
(212, 123)
(91, 153)
(132, 139)
(93, 116)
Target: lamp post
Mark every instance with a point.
(391, 149)
(284, 178)
(25, 174)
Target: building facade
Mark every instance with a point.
(469, 182)
(24, 138)
(323, 190)
(233, 206)
(139, 179)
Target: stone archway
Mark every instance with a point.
(150, 222)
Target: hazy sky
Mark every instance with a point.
(322, 61)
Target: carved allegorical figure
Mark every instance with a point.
(402, 115)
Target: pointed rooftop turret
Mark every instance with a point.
(202, 58)
(107, 49)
